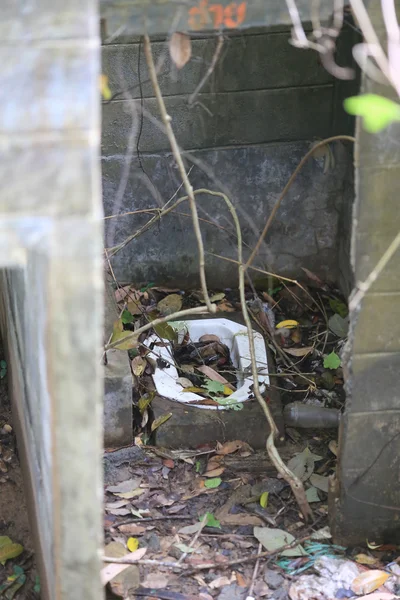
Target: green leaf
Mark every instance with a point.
(264, 499)
(36, 587)
(377, 112)
(338, 307)
(3, 364)
(302, 464)
(213, 483)
(214, 387)
(198, 466)
(312, 494)
(332, 361)
(147, 287)
(165, 331)
(273, 539)
(211, 520)
(127, 317)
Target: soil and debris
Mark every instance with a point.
(218, 522)
(18, 575)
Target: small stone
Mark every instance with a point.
(232, 592)
(273, 579)
(151, 541)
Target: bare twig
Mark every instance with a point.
(293, 176)
(203, 523)
(210, 69)
(177, 315)
(291, 478)
(363, 286)
(254, 577)
(166, 119)
(127, 560)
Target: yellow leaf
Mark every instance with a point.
(264, 499)
(125, 340)
(104, 87)
(195, 390)
(288, 324)
(369, 581)
(144, 401)
(227, 391)
(364, 559)
(8, 551)
(132, 544)
(138, 365)
(160, 420)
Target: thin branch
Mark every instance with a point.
(166, 119)
(293, 176)
(291, 478)
(254, 577)
(210, 69)
(203, 523)
(177, 315)
(363, 286)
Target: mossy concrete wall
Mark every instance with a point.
(366, 494)
(244, 134)
(51, 283)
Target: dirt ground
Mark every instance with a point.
(13, 513)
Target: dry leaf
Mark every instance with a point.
(119, 512)
(225, 306)
(303, 463)
(320, 482)
(299, 351)
(191, 529)
(155, 581)
(170, 304)
(241, 519)
(180, 49)
(240, 580)
(168, 462)
(273, 539)
(364, 559)
(184, 382)
(138, 365)
(333, 447)
(124, 486)
(160, 420)
(130, 494)
(379, 596)
(110, 571)
(209, 337)
(118, 504)
(214, 472)
(135, 307)
(217, 297)
(132, 529)
(231, 447)
(121, 293)
(221, 581)
(214, 376)
(369, 581)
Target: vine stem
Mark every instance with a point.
(166, 119)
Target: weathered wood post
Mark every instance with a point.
(51, 283)
(366, 498)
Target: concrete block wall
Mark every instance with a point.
(244, 134)
(367, 491)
